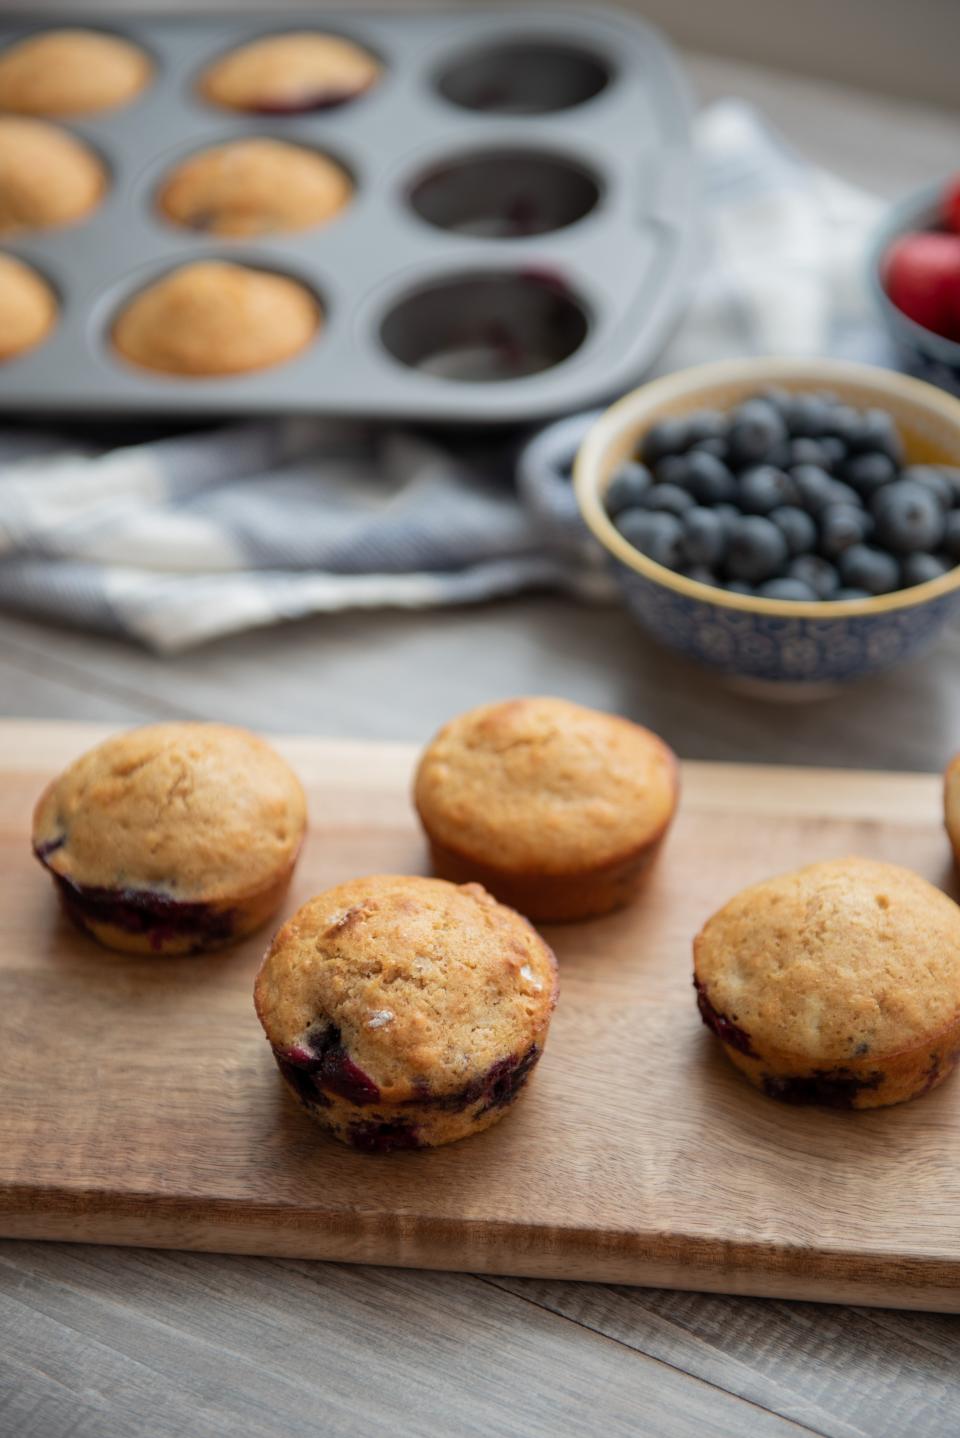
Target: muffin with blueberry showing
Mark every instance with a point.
(788, 497)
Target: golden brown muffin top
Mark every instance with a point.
(299, 70)
(47, 177)
(545, 786)
(200, 812)
(255, 187)
(28, 309)
(71, 72)
(834, 961)
(425, 980)
(213, 318)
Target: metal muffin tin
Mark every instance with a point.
(573, 122)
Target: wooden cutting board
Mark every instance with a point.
(139, 1103)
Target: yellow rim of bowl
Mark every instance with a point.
(639, 408)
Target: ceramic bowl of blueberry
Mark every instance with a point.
(790, 523)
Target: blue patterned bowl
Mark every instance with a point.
(780, 643)
(930, 356)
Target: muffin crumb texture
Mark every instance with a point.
(293, 73)
(214, 318)
(28, 308)
(173, 837)
(255, 187)
(837, 984)
(557, 808)
(48, 177)
(71, 72)
(406, 1012)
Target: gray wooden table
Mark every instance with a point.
(108, 1343)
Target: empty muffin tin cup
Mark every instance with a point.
(485, 328)
(504, 194)
(533, 77)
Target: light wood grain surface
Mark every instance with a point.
(111, 1343)
(640, 1156)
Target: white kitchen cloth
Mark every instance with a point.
(179, 540)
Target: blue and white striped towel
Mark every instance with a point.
(179, 540)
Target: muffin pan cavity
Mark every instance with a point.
(509, 230)
(485, 328)
(505, 194)
(527, 77)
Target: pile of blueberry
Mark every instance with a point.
(789, 496)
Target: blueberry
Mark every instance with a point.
(813, 486)
(834, 451)
(706, 424)
(670, 436)
(908, 516)
(780, 455)
(728, 515)
(628, 487)
(717, 447)
(779, 398)
(786, 589)
(796, 526)
(933, 479)
(843, 422)
(817, 573)
(868, 472)
(756, 549)
(810, 451)
(754, 428)
(659, 536)
(874, 570)
(841, 493)
(876, 431)
(840, 526)
(708, 478)
(951, 534)
(848, 593)
(704, 536)
(807, 416)
(763, 488)
(668, 499)
(952, 476)
(919, 568)
(672, 469)
(739, 586)
(702, 574)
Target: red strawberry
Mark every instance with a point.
(951, 205)
(922, 278)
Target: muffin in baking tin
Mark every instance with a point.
(556, 808)
(71, 72)
(213, 318)
(288, 74)
(254, 187)
(837, 984)
(47, 176)
(172, 838)
(28, 307)
(406, 1012)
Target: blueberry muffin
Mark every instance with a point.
(212, 318)
(557, 809)
(71, 72)
(255, 187)
(28, 309)
(290, 74)
(837, 984)
(172, 838)
(47, 177)
(406, 1012)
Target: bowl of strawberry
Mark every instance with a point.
(789, 522)
(915, 270)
